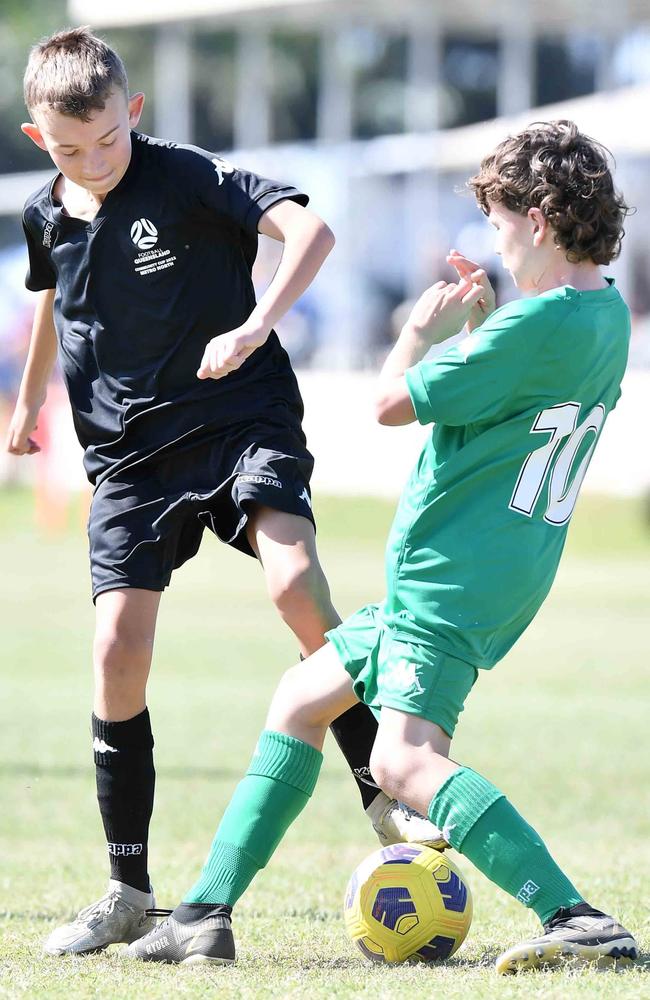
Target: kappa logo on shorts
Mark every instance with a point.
(403, 676)
(260, 481)
(305, 496)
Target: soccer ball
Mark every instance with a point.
(407, 901)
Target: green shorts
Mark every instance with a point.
(391, 672)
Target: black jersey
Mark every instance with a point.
(163, 268)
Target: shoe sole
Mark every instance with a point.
(62, 952)
(436, 845)
(207, 960)
(548, 956)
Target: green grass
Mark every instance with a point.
(561, 725)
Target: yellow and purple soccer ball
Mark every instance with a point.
(405, 902)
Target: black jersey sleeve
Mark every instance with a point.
(40, 273)
(240, 195)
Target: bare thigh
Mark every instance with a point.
(285, 545)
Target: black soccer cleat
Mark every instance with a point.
(572, 936)
(191, 935)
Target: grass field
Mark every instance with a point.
(560, 725)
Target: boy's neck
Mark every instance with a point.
(584, 276)
(77, 202)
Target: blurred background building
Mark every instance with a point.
(378, 110)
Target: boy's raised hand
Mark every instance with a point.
(442, 310)
(228, 351)
(470, 270)
(23, 424)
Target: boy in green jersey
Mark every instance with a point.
(517, 407)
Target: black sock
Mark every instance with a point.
(355, 733)
(125, 783)
(187, 913)
(579, 910)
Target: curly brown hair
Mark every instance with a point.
(554, 167)
(73, 72)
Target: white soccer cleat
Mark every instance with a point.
(396, 823)
(572, 939)
(118, 917)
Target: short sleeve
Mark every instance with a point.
(479, 377)
(40, 273)
(240, 195)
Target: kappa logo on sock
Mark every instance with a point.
(99, 746)
(124, 850)
(363, 774)
(527, 892)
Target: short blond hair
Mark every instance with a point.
(73, 72)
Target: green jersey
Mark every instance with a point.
(518, 407)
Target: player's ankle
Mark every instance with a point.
(189, 913)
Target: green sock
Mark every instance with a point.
(279, 782)
(479, 822)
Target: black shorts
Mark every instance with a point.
(148, 520)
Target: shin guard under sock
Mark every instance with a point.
(479, 822)
(281, 778)
(125, 776)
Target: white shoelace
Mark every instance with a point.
(103, 907)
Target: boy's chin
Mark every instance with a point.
(102, 184)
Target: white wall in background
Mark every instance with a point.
(355, 455)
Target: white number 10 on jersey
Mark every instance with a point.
(560, 422)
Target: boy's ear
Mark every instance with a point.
(136, 104)
(540, 225)
(34, 133)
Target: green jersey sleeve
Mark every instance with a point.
(478, 378)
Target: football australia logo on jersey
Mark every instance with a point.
(144, 234)
(152, 258)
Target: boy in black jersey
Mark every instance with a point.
(141, 253)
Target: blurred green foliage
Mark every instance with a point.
(21, 26)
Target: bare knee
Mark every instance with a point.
(291, 710)
(405, 772)
(120, 650)
(298, 584)
(390, 767)
(299, 588)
